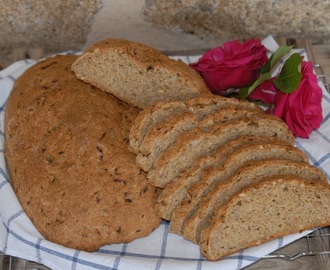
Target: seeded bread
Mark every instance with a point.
(227, 115)
(161, 137)
(201, 107)
(216, 175)
(198, 142)
(151, 116)
(137, 73)
(66, 148)
(251, 173)
(206, 105)
(177, 191)
(66, 128)
(259, 213)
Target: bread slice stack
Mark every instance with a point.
(226, 167)
(230, 175)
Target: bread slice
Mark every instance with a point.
(217, 175)
(226, 116)
(197, 142)
(177, 191)
(151, 116)
(251, 173)
(274, 207)
(161, 137)
(137, 74)
(165, 134)
(206, 105)
(201, 107)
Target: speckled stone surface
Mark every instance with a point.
(53, 26)
(37, 28)
(226, 20)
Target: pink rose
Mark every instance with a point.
(265, 92)
(234, 65)
(301, 110)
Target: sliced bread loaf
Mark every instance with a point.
(137, 74)
(177, 191)
(252, 172)
(164, 134)
(227, 115)
(201, 106)
(151, 116)
(206, 105)
(219, 174)
(161, 137)
(272, 208)
(197, 142)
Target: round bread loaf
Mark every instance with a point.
(66, 148)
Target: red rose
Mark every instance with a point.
(234, 65)
(301, 110)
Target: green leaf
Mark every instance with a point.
(275, 57)
(246, 91)
(290, 75)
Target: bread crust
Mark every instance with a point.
(294, 217)
(199, 142)
(178, 190)
(252, 172)
(149, 117)
(66, 147)
(217, 175)
(153, 76)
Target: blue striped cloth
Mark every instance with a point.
(160, 250)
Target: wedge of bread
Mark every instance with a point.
(137, 74)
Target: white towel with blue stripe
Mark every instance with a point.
(160, 250)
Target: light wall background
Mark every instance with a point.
(37, 28)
